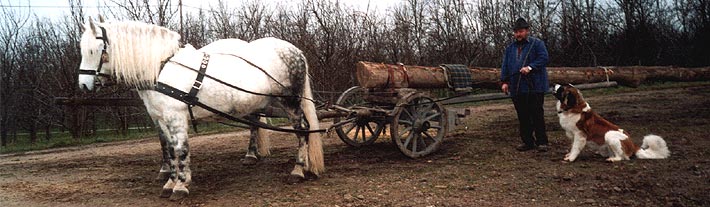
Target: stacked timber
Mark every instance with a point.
(379, 75)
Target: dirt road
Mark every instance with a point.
(475, 166)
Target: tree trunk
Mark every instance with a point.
(33, 131)
(75, 122)
(48, 132)
(378, 75)
(3, 135)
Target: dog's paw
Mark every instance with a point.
(613, 159)
(569, 157)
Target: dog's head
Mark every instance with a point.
(569, 97)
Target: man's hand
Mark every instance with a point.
(525, 70)
(504, 87)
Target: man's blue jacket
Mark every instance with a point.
(514, 59)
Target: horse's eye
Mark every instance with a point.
(91, 52)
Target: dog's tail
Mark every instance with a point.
(653, 147)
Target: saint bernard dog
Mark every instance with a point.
(582, 124)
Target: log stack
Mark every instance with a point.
(379, 75)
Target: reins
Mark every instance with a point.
(242, 89)
(520, 75)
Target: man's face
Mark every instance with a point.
(521, 34)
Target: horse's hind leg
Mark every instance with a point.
(297, 174)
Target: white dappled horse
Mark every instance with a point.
(140, 55)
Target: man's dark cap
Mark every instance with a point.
(521, 24)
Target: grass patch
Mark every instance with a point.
(63, 139)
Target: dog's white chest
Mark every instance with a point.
(568, 121)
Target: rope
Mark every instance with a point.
(606, 72)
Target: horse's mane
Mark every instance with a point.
(137, 49)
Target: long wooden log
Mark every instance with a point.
(379, 75)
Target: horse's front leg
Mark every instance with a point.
(164, 173)
(259, 144)
(251, 157)
(179, 156)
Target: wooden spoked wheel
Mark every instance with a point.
(418, 126)
(360, 130)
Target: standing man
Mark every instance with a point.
(524, 77)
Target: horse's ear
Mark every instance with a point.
(91, 25)
(101, 19)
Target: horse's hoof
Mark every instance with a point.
(250, 161)
(295, 178)
(179, 194)
(166, 192)
(310, 176)
(162, 177)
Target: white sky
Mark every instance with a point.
(57, 8)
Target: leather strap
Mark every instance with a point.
(191, 97)
(197, 85)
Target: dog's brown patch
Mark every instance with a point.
(595, 127)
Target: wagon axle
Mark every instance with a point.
(420, 126)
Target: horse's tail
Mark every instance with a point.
(315, 144)
(263, 141)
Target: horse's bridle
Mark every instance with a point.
(104, 57)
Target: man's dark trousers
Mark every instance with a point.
(531, 117)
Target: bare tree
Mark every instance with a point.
(11, 26)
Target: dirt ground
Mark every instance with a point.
(475, 166)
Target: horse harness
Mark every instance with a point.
(104, 57)
(190, 98)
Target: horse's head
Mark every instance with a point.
(93, 71)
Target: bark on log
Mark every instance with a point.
(377, 75)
